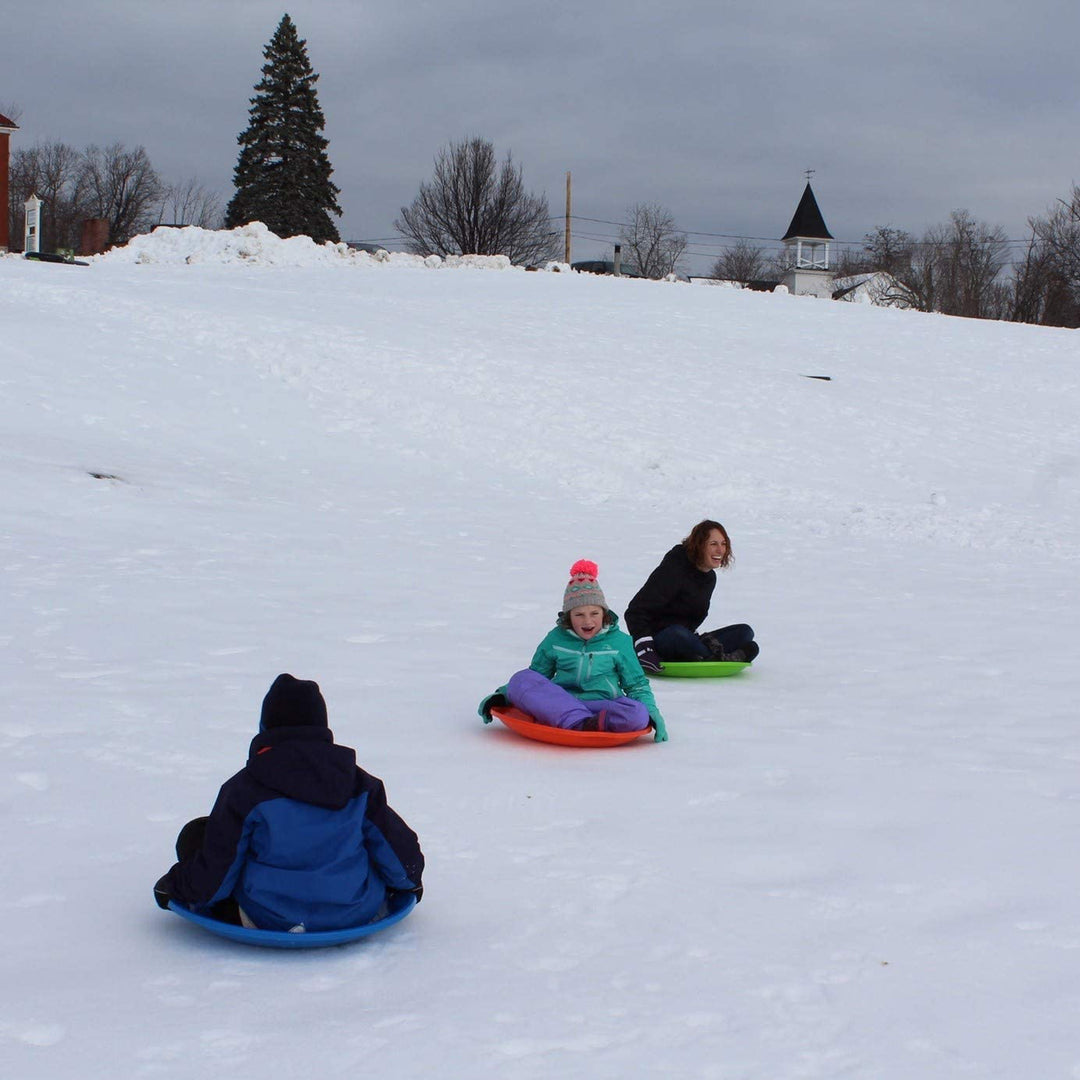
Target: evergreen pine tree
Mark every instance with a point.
(282, 176)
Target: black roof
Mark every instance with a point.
(807, 221)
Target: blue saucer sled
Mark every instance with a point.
(400, 905)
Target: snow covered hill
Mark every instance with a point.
(225, 456)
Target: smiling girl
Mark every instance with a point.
(584, 674)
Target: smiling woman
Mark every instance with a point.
(666, 611)
(584, 675)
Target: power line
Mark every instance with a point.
(773, 239)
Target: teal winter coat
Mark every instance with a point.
(602, 668)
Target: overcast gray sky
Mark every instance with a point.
(907, 110)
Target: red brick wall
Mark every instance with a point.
(94, 238)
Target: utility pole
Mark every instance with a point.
(566, 246)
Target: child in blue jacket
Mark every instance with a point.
(584, 674)
(301, 838)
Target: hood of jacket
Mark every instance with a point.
(304, 763)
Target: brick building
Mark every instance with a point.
(6, 128)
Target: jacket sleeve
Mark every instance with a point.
(645, 614)
(392, 846)
(543, 660)
(210, 874)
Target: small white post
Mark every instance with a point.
(32, 234)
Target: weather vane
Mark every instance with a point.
(809, 173)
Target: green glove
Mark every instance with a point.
(661, 729)
(495, 700)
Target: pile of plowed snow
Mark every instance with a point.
(255, 244)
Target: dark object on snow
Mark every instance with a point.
(823, 378)
(602, 266)
(52, 257)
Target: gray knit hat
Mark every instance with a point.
(583, 590)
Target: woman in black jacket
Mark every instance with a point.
(664, 615)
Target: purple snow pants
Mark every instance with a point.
(548, 703)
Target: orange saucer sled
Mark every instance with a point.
(523, 724)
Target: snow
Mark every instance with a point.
(255, 244)
(855, 860)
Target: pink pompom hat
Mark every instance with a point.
(584, 590)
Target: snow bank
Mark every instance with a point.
(256, 245)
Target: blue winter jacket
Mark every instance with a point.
(300, 836)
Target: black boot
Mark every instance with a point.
(743, 655)
(713, 645)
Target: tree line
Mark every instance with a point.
(116, 183)
(964, 267)
(961, 266)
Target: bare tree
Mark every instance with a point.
(968, 256)
(1029, 283)
(51, 171)
(955, 269)
(472, 206)
(744, 262)
(888, 250)
(889, 254)
(189, 203)
(114, 183)
(1059, 231)
(1050, 272)
(121, 186)
(848, 262)
(653, 240)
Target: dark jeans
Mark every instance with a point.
(188, 844)
(681, 643)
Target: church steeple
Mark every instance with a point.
(808, 235)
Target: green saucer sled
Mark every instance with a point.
(399, 906)
(699, 669)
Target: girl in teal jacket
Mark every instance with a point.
(584, 674)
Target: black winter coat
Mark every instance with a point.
(676, 593)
